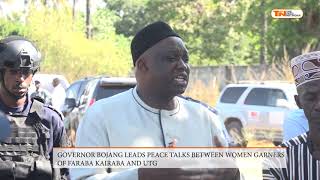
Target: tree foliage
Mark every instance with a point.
(215, 32)
(65, 50)
(229, 31)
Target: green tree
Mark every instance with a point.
(65, 50)
(210, 29)
(293, 35)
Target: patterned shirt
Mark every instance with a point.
(300, 163)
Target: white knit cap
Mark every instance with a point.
(306, 67)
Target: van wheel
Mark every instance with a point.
(235, 131)
(276, 143)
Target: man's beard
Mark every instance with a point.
(18, 96)
(22, 86)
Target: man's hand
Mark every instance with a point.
(188, 174)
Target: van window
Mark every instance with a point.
(73, 90)
(108, 91)
(232, 94)
(264, 97)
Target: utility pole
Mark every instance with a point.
(263, 31)
(88, 21)
(74, 11)
(25, 11)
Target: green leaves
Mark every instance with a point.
(65, 50)
(215, 32)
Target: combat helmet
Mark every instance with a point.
(17, 52)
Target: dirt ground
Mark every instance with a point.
(255, 173)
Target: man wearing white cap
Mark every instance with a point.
(303, 151)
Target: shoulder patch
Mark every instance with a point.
(55, 110)
(199, 102)
(38, 98)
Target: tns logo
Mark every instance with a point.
(286, 13)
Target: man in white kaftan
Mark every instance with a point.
(152, 114)
(190, 124)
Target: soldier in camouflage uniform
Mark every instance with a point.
(35, 128)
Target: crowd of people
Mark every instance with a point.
(153, 114)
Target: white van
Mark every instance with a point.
(259, 107)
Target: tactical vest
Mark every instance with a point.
(24, 155)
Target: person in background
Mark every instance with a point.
(294, 124)
(303, 151)
(58, 94)
(42, 93)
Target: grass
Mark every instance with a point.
(206, 93)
